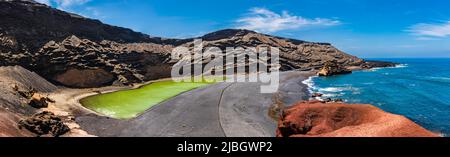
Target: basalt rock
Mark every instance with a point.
(26, 94)
(330, 100)
(318, 119)
(315, 95)
(39, 101)
(76, 62)
(331, 68)
(45, 123)
(376, 64)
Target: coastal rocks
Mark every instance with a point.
(45, 123)
(331, 68)
(317, 119)
(330, 100)
(316, 95)
(377, 64)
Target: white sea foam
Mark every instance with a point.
(397, 66)
(401, 66)
(329, 95)
(328, 92)
(319, 98)
(332, 89)
(439, 78)
(310, 83)
(374, 69)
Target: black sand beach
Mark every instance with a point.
(220, 110)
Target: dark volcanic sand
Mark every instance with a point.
(223, 109)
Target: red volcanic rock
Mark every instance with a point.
(318, 119)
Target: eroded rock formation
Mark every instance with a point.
(78, 62)
(40, 101)
(45, 123)
(331, 68)
(318, 119)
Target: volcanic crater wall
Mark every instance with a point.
(70, 50)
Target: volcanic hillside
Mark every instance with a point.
(70, 50)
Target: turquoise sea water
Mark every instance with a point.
(418, 89)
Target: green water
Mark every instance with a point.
(131, 103)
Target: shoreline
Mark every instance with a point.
(314, 88)
(175, 114)
(311, 86)
(129, 127)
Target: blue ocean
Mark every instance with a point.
(418, 89)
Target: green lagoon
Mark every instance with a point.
(131, 103)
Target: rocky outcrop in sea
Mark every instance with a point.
(333, 68)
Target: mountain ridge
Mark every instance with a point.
(46, 23)
(60, 45)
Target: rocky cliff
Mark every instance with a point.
(294, 54)
(79, 62)
(319, 119)
(32, 24)
(74, 51)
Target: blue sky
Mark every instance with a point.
(366, 28)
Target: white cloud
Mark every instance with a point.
(407, 46)
(68, 3)
(426, 38)
(263, 20)
(430, 30)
